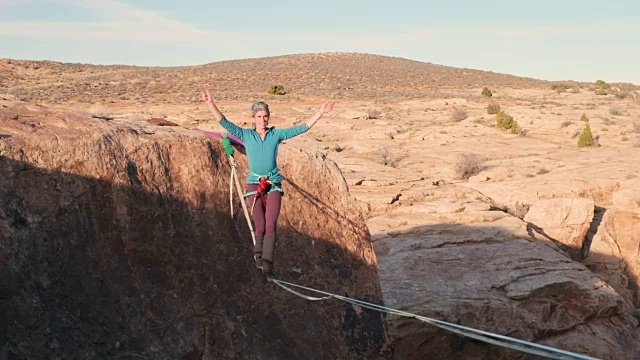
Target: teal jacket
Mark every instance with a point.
(262, 154)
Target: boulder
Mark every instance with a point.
(615, 253)
(493, 276)
(563, 220)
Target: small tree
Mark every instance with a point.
(505, 121)
(586, 137)
(493, 109)
(277, 90)
(602, 85)
(486, 92)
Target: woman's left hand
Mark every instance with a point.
(327, 107)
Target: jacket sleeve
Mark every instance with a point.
(288, 133)
(232, 128)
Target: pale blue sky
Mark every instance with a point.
(552, 40)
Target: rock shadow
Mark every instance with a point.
(91, 269)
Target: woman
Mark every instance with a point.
(264, 189)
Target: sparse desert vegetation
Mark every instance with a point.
(560, 88)
(459, 114)
(584, 117)
(586, 137)
(373, 113)
(277, 90)
(386, 158)
(468, 164)
(519, 209)
(565, 123)
(506, 121)
(616, 110)
(493, 109)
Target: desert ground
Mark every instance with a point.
(424, 161)
(399, 126)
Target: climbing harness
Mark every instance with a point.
(266, 178)
(484, 336)
(265, 187)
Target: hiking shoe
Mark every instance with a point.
(267, 268)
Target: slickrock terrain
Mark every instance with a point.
(521, 232)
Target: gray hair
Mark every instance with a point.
(260, 105)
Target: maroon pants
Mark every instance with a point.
(264, 219)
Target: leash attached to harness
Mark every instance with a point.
(228, 149)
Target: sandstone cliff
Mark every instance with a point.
(116, 241)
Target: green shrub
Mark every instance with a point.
(486, 92)
(277, 90)
(584, 117)
(505, 121)
(493, 109)
(602, 85)
(601, 92)
(586, 137)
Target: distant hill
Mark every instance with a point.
(341, 75)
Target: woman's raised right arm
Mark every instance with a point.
(206, 97)
(219, 117)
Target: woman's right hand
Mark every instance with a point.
(206, 96)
